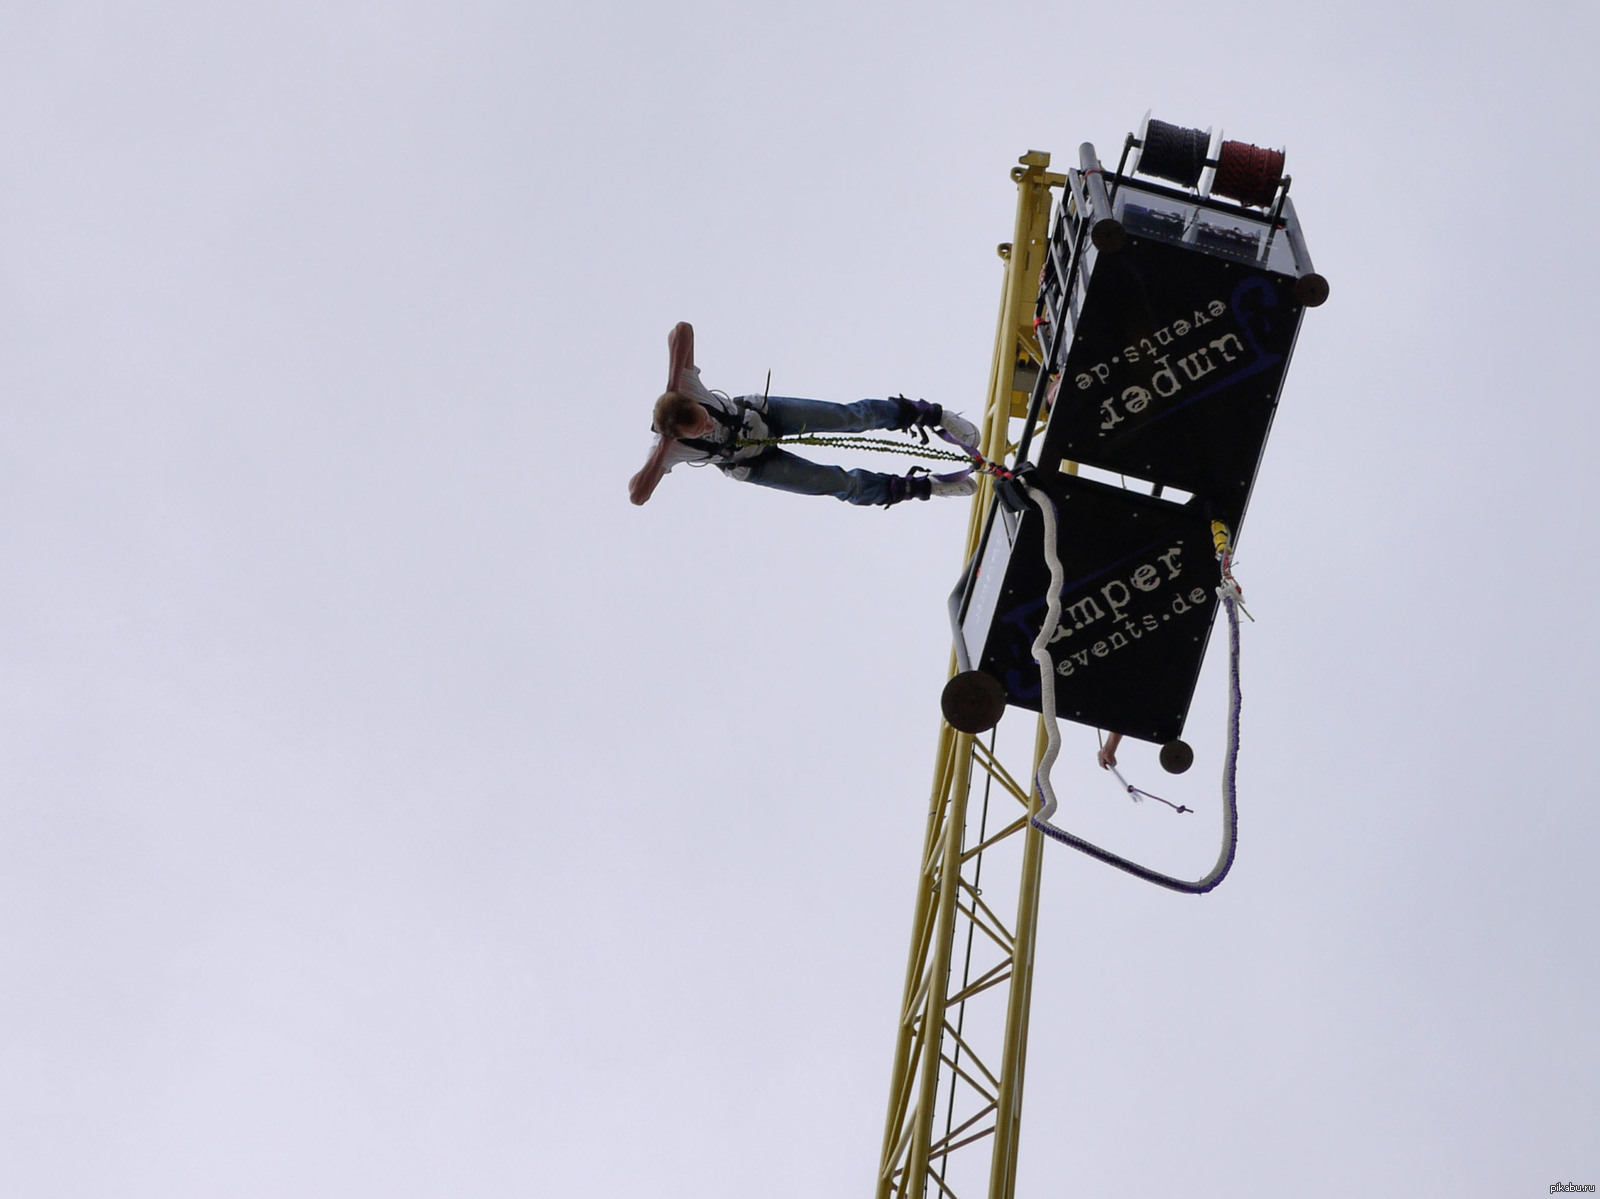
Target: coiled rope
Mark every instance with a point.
(1174, 153)
(1248, 173)
(1229, 594)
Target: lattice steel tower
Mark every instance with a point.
(956, 1093)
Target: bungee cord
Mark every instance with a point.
(858, 441)
(1229, 595)
(969, 456)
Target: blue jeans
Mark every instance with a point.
(786, 416)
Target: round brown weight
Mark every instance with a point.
(1108, 235)
(1176, 757)
(1311, 289)
(973, 702)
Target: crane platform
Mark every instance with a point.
(1166, 320)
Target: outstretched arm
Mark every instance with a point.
(680, 351)
(643, 485)
(1107, 756)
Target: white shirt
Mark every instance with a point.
(754, 427)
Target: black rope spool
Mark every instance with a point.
(1173, 153)
(1248, 173)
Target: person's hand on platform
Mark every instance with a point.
(1107, 757)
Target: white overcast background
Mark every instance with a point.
(388, 808)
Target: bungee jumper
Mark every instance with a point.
(743, 437)
(1166, 316)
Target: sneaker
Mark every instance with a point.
(919, 415)
(966, 486)
(960, 428)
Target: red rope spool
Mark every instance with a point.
(1248, 173)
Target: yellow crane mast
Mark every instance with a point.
(955, 1096)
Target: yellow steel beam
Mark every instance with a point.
(939, 968)
(924, 1072)
(1003, 1171)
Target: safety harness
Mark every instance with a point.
(732, 435)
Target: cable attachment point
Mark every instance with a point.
(1230, 589)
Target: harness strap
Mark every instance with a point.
(726, 444)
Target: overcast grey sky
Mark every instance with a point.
(388, 808)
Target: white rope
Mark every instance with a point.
(1047, 666)
(1229, 595)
